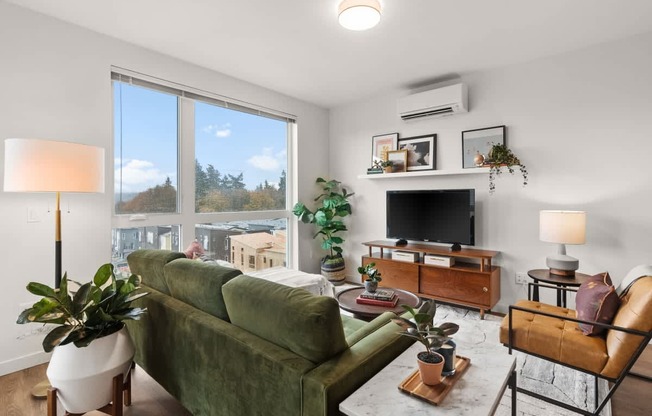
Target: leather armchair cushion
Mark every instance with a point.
(554, 338)
(635, 313)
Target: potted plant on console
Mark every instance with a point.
(373, 277)
(499, 156)
(421, 328)
(90, 343)
(334, 206)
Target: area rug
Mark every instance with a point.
(534, 374)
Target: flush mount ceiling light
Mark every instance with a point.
(359, 14)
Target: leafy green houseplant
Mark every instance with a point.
(91, 312)
(432, 337)
(373, 276)
(387, 165)
(332, 206)
(500, 156)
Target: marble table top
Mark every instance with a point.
(478, 392)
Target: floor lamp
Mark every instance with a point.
(34, 165)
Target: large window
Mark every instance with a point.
(192, 166)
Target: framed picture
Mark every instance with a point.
(421, 151)
(480, 141)
(399, 157)
(382, 144)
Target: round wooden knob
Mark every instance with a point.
(484, 289)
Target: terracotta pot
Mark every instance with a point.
(388, 169)
(430, 373)
(83, 376)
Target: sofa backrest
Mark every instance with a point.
(635, 312)
(199, 284)
(292, 318)
(148, 264)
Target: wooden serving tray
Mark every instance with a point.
(434, 394)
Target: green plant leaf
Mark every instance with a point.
(404, 323)
(103, 274)
(54, 337)
(39, 289)
(449, 328)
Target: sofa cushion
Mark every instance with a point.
(292, 318)
(148, 264)
(554, 338)
(597, 301)
(199, 284)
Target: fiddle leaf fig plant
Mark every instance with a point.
(333, 205)
(500, 155)
(97, 309)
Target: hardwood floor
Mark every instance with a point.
(149, 399)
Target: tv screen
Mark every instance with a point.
(441, 216)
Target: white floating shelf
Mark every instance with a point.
(470, 171)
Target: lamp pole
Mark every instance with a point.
(57, 243)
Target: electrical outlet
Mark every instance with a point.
(521, 278)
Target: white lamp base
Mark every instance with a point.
(562, 265)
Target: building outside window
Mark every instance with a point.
(190, 165)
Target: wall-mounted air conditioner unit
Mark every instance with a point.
(434, 103)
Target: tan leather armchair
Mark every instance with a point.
(552, 333)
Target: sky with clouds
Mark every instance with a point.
(145, 125)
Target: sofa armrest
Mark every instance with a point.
(370, 328)
(376, 345)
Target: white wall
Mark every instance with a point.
(54, 83)
(582, 124)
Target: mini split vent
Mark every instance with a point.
(434, 103)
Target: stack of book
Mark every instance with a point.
(381, 297)
(372, 171)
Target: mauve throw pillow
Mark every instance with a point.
(597, 301)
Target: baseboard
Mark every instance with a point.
(21, 363)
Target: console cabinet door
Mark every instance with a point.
(464, 286)
(396, 274)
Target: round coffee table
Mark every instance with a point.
(346, 299)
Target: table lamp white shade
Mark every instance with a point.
(562, 227)
(34, 165)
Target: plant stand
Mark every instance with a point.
(121, 395)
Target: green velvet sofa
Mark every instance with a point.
(228, 344)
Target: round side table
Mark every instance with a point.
(544, 276)
(346, 299)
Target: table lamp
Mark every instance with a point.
(34, 165)
(562, 227)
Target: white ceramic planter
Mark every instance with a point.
(84, 376)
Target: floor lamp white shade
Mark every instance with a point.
(35, 165)
(562, 227)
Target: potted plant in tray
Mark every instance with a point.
(500, 156)
(333, 207)
(432, 337)
(90, 343)
(373, 277)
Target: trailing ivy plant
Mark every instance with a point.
(327, 217)
(500, 156)
(91, 312)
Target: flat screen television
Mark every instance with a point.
(437, 215)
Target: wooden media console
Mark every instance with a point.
(472, 281)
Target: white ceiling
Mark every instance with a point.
(297, 47)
